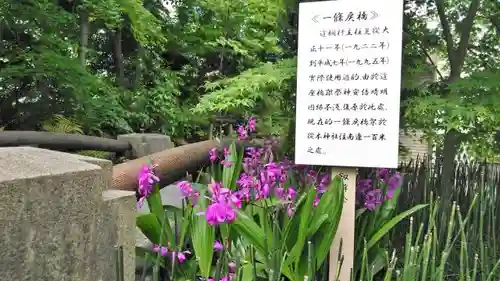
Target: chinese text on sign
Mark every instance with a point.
(348, 83)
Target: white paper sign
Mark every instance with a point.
(348, 83)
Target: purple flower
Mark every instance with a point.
(186, 188)
(393, 184)
(373, 198)
(218, 246)
(187, 191)
(252, 124)
(383, 174)
(227, 152)
(311, 176)
(273, 171)
(180, 257)
(286, 195)
(226, 162)
(324, 182)
(145, 180)
(164, 251)
(160, 249)
(242, 133)
(291, 193)
(194, 198)
(290, 210)
(218, 213)
(246, 181)
(243, 194)
(212, 155)
(316, 201)
(221, 209)
(362, 186)
(252, 161)
(232, 267)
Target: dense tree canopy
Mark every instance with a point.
(114, 66)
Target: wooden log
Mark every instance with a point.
(173, 164)
(61, 141)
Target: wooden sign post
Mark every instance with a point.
(348, 96)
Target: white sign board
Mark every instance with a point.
(348, 83)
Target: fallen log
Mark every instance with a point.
(61, 141)
(172, 164)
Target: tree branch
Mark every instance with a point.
(495, 17)
(446, 32)
(424, 51)
(468, 22)
(495, 21)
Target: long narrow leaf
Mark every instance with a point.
(149, 226)
(326, 233)
(203, 237)
(383, 230)
(251, 231)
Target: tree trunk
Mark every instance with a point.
(84, 36)
(138, 67)
(119, 64)
(451, 144)
(456, 58)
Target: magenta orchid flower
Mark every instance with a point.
(145, 181)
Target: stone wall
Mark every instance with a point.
(59, 220)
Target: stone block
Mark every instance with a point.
(121, 209)
(106, 166)
(52, 214)
(145, 144)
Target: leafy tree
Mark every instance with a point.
(462, 104)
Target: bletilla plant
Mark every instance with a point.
(145, 182)
(273, 205)
(372, 193)
(255, 211)
(259, 179)
(376, 199)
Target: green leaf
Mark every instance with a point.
(246, 271)
(359, 212)
(317, 224)
(323, 238)
(378, 261)
(156, 207)
(383, 230)
(249, 230)
(233, 171)
(238, 164)
(303, 215)
(150, 227)
(203, 237)
(155, 204)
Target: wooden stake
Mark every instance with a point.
(345, 232)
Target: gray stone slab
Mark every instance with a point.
(48, 215)
(29, 162)
(120, 207)
(145, 144)
(54, 223)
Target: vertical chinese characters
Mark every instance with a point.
(347, 62)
